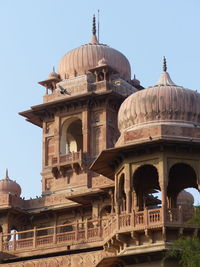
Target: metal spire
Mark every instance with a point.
(98, 26)
(94, 25)
(164, 64)
(6, 177)
(53, 69)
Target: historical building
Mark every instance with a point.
(109, 146)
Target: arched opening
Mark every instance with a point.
(122, 194)
(181, 176)
(146, 184)
(105, 211)
(71, 137)
(100, 76)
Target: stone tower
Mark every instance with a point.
(109, 146)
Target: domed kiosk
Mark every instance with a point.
(157, 151)
(7, 186)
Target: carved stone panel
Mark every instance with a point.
(90, 259)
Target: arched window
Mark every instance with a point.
(146, 183)
(71, 137)
(181, 176)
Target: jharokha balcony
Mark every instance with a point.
(74, 160)
(95, 233)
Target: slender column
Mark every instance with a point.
(116, 195)
(127, 188)
(34, 237)
(163, 186)
(14, 240)
(104, 129)
(44, 147)
(55, 234)
(1, 241)
(85, 129)
(86, 229)
(57, 135)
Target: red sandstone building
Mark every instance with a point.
(108, 146)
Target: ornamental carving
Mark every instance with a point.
(82, 260)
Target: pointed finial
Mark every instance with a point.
(94, 26)
(164, 64)
(6, 177)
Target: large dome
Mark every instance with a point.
(79, 60)
(164, 102)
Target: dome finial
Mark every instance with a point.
(165, 78)
(94, 37)
(94, 25)
(164, 64)
(6, 177)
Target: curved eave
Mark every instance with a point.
(109, 160)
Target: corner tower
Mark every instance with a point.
(79, 114)
(158, 150)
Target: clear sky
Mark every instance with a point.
(35, 34)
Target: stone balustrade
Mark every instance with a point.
(69, 158)
(88, 231)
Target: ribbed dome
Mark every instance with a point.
(164, 102)
(79, 60)
(53, 75)
(7, 186)
(185, 198)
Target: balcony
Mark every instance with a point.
(80, 235)
(73, 160)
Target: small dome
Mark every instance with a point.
(53, 75)
(164, 102)
(185, 198)
(7, 186)
(135, 81)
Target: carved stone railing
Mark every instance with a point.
(104, 85)
(97, 230)
(69, 158)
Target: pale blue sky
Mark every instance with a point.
(35, 34)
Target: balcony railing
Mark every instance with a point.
(69, 158)
(87, 231)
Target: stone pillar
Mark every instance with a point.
(127, 188)
(163, 180)
(134, 200)
(44, 148)
(85, 130)
(104, 129)
(57, 135)
(116, 195)
(111, 194)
